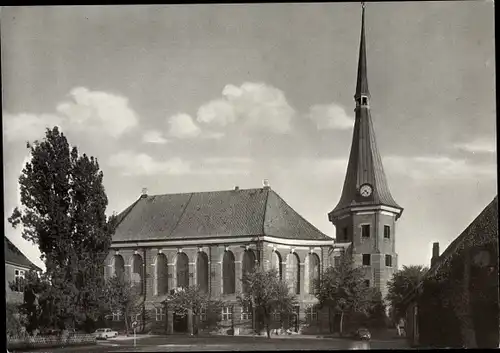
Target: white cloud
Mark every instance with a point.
(227, 160)
(99, 110)
(428, 168)
(134, 164)
(330, 116)
(28, 127)
(256, 105)
(182, 126)
(154, 136)
(142, 164)
(480, 145)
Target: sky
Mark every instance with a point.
(186, 98)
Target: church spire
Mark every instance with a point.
(362, 82)
(365, 182)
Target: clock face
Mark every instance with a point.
(365, 190)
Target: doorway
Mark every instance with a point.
(180, 323)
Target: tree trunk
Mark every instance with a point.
(330, 319)
(341, 322)
(268, 329)
(126, 323)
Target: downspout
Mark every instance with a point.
(144, 290)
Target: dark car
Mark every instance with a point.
(363, 334)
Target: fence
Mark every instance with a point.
(30, 342)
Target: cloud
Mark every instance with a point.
(227, 160)
(480, 145)
(256, 105)
(99, 110)
(428, 168)
(138, 164)
(182, 126)
(154, 136)
(142, 164)
(330, 116)
(28, 127)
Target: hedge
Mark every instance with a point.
(30, 342)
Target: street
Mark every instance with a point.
(226, 343)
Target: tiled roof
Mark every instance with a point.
(14, 256)
(229, 213)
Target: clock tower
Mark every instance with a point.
(366, 214)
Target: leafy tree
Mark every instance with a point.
(62, 211)
(342, 289)
(400, 285)
(122, 297)
(266, 294)
(191, 301)
(13, 320)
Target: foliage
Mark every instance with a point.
(182, 301)
(266, 294)
(400, 285)
(62, 211)
(122, 296)
(13, 320)
(343, 289)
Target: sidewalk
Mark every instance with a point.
(131, 337)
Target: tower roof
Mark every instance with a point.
(365, 165)
(362, 81)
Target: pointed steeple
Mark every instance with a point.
(365, 182)
(362, 82)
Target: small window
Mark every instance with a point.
(336, 261)
(388, 260)
(19, 279)
(245, 313)
(345, 234)
(364, 100)
(312, 314)
(366, 260)
(160, 314)
(117, 316)
(227, 313)
(365, 230)
(387, 232)
(367, 283)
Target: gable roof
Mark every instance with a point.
(228, 213)
(14, 256)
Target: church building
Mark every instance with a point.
(211, 239)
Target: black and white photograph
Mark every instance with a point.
(250, 176)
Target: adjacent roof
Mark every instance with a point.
(230, 213)
(14, 256)
(483, 229)
(365, 164)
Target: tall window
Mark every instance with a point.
(161, 274)
(388, 260)
(276, 262)
(336, 261)
(387, 232)
(227, 313)
(247, 266)
(182, 274)
(365, 230)
(228, 273)
(202, 271)
(293, 272)
(366, 260)
(19, 280)
(313, 273)
(117, 316)
(160, 314)
(246, 314)
(119, 267)
(137, 274)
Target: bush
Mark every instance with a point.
(31, 342)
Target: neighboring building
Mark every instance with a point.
(456, 304)
(211, 239)
(16, 267)
(366, 214)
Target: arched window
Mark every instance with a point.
(119, 267)
(202, 271)
(161, 274)
(228, 273)
(276, 263)
(293, 272)
(137, 276)
(182, 275)
(247, 266)
(313, 261)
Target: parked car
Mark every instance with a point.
(105, 333)
(363, 334)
